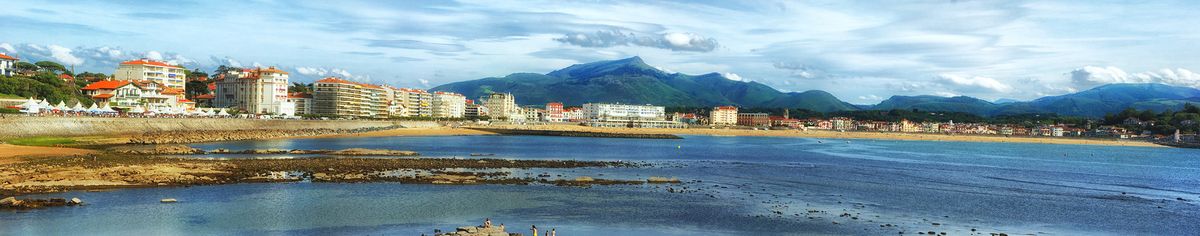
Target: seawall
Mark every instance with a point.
(25, 126)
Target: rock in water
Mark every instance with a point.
(9, 201)
(168, 200)
(75, 201)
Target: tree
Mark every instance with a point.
(195, 88)
(1191, 108)
(52, 67)
(25, 66)
(298, 87)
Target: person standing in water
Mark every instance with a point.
(553, 232)
(534, 228)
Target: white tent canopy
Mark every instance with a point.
(107, 109)
(62, 106)
(223, 113)
(78, 107)
(137, 109)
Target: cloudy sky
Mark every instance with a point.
(861, 51)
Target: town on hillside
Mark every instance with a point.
(150, 88)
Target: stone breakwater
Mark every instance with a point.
(576, 133)
(15, 126)
(170, 137)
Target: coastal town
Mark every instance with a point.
(150, 88)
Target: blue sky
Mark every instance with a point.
(861, 51)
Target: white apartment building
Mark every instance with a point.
(6, 64)
(144, 69)
(503, 106)
(416, 102)
(449, 105)
(623, 115)
(128, 94)
(725, 115)
(256, 91)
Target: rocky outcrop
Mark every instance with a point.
(24, 126)
(14, 203)
(371, 152)
(478, 231)
(165, 149)
(171, 137)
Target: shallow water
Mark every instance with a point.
(734, 186)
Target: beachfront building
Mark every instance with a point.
(255, 91)
(503, 106)
(303, 101)
(339, 97)
(7, 64)
(624, 115)
(724, 115)
(842, 123)
(416, 102)
(449, 105)
(753, 119)
(145, 69)
(573, 114)
(473, 110)
(554, 112)
(123, 94)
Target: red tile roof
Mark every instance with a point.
(149, 63)
(106, 84)
(106, 95)
(336, 80)
(205, 96)
(212, 86)
(184, 100)
(7, 57)
(299, 95)
(171, 91)
(733, 108)
(66, 77)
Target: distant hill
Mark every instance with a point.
(1094, 102)
(936, 103)
(632, 81)
(1105, 99)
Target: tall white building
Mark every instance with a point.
(257, 91)
(622, 115)
(503, 106)
(144, 69)
(6, 64)
(449, 105)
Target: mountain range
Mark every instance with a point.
(632, 81)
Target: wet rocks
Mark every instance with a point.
(576, 133)
(14, 203)
(175, 137)
(164, 149)
(477, 231)
(371, 152)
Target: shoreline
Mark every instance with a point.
(835, 135)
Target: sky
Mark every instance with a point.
(861, 51)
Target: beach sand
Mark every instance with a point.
(13, 153)
(840, 135)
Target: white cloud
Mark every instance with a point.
(1091, 76)
(974, 83)
(732, 76)
(945, 94)
(154, 55)
(675, 41)
(424, 82)
(63, 55)
(8, 48)
(870, 98)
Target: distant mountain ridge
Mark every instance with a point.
(1095, 102)
(632, 81)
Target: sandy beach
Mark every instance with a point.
(13, 153)
(841, 135)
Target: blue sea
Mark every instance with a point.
(732, 186)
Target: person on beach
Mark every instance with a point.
(534, 229)
(487, 222)
(552, 232)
